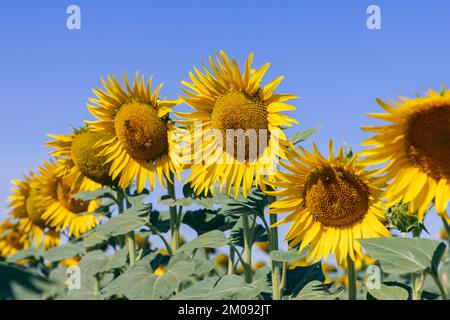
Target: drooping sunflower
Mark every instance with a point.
(77, 153)
(235, 128)
(138, 132)
(11, 239)
(415, 146)
(331, 203)
(25, 204)
(61, 210)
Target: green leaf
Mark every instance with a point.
(316, 290)
(404, 255)
(16, 282)
(205, 220)
(128, 221)
(65, 251)
(212, 239)
(289, 256)
(297, 278)
(160, 220)
(386, 292)
(26, 254)
(105, 192)
(200, 290)
(303, 135)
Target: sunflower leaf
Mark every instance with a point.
(303, 135)
(405, 255)
(316, 290)
(387, 292)
(212, 239)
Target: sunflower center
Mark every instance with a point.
(64, 193)
(86, 160)
(428, 141)
(142, 133)
(34, 210)
(13, 238)
(242, 121)
(336, 197)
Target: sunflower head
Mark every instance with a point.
(12, 239)
(331, 202)
(62, 210)
(137, 142)
(415, 148)
(240, 136)
(78, 152)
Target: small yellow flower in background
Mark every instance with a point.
(443, 234)
(258, 265)
(263, 246)
(138, 140)
(226, 99)
(239, 270)
(70, 261)
(415, 146)
(221, 260)
(160, 271)
(142, 241)
(331, 203)
(26, 205)
(61, 210)
(11, 239)
(78, 154)
(163, 252)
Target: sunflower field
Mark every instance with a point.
(84, 224)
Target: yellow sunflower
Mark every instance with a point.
(138, 138)
(78, 154)
(61, 210)
(234, 132)
(11, 239)
(25, 204)
(332, 203)
(416, 147)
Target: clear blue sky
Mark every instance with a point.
(323, 49)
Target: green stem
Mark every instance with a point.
(241, 259)
(351, 276)
(247, 249)
(283, 279)
(231, 261)
(417, 285)
(131, 247)
(121, 208)
(447, 230)
(439, 285)
(174, 219)
(273, 245)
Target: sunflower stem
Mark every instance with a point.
(174, 219)
(231, 261)
(351, 276)
(247, 249)
(438, 282)
(131, 247)
(417, 285)
(273, 245)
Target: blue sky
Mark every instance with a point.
(323, 49)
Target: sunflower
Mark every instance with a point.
(239, 139)
(415, 146)
(25, 204)
(77, 153)
(332, 203)
(138, 132)
(12, 239)
(61, 210)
